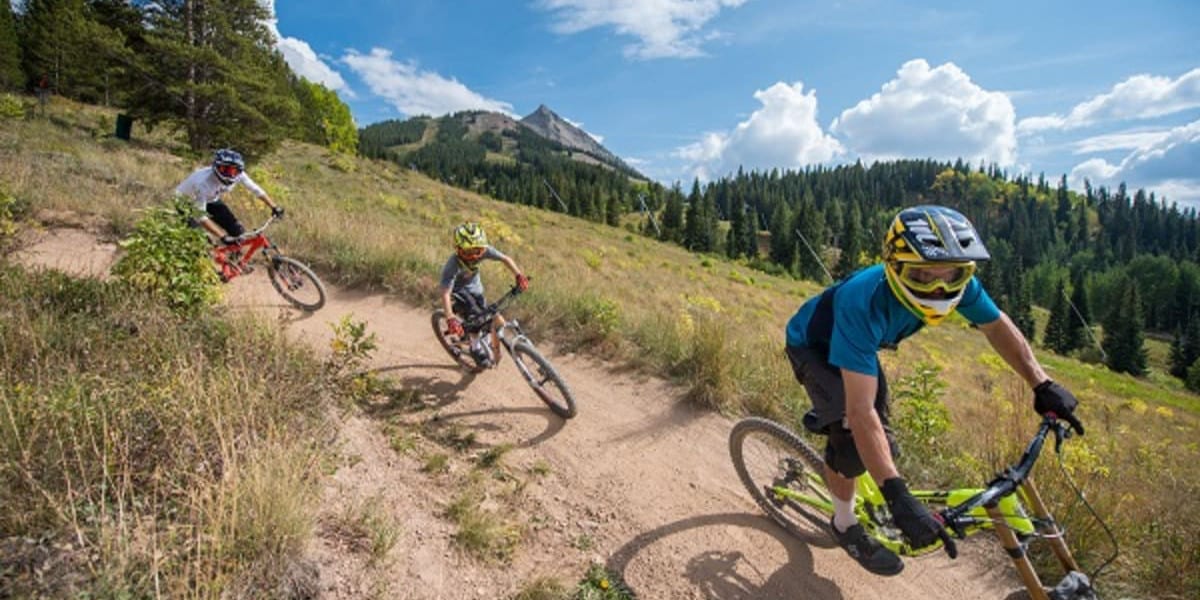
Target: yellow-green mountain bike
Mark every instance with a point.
(784, 474)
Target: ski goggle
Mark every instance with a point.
(929, 277)
(229, 171)
(471, 254)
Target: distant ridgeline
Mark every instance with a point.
(1104, 248)
(512, 160)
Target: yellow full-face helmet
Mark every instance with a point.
(470, 241)
(929, 256)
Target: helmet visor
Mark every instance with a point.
(926, 278)
(228, 171)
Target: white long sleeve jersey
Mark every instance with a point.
(203, 187)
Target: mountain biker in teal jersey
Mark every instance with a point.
(927, 272)
(462, 288)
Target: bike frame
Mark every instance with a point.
(998, 507)
(247, 245)
(492, 312)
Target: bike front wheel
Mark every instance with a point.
(783, 474)
(544, 380)
(296, 283)
(459, 348)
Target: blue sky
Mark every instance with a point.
(1108, 91)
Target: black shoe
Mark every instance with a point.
(867, 550)
(482, 360)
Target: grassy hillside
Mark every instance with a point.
(717, 326)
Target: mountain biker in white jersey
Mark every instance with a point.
(206, 185)
(462, 289)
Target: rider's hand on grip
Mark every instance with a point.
(1050, 397)
(522, 282)
(454, 326)
(277, 212)
(913, 518)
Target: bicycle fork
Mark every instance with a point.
(1049, 530)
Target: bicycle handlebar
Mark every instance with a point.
(1007, 481)
(494, 308)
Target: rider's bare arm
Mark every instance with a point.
(869, 437)
(511, 264)
(446, 304)
(1012, 346)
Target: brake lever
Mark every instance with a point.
(951, 522)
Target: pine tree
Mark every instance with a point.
(672, 218)
(783, 240)
(735, 238)
(852, 244)
(11, 77)
(1056, 336)
(808, 223)
(1185, 348)
(1081, 314)
(211, 70)
(1123, 340)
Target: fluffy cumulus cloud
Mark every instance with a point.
(416, 92)
(663, 28)
(931, 113)
(1166, 166)
(1139, 97)
(302, 59)
(782, 133)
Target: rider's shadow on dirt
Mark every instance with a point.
(554, 423)
(719, 573)
(414, 393)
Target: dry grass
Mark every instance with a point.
(715, 325)
(158, 456)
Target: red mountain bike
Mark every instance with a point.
(291, 278)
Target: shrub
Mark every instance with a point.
(169, 259)
(11, 107)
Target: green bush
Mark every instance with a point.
(169, 259)
(11, 107)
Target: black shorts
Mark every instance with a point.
(466, 305)
(220, 214)
(823, 382)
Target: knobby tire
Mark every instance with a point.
(456, 347)
(544, 380)
(759, 447)
(289, 276)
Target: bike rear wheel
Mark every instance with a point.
(459, 348)
(544, 380)
(296, 283)
(767, 456)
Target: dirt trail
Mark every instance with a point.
(639, 480)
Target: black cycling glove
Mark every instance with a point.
(913, 518)
(1050, 397)
(277, 212)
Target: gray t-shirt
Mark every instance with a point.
(459, 276)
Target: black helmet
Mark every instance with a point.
(227, 165)
(929, 257)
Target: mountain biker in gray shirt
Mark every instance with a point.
(462, 289)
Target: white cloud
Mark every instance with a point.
(302, 59)
(1139, 97)
(784, 133)
(1167, 167)
(931, 113)
(664, 28)
(416, 92)
(1125, 140)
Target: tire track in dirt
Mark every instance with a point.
(640, 475)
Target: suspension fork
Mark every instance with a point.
(1048, 529)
